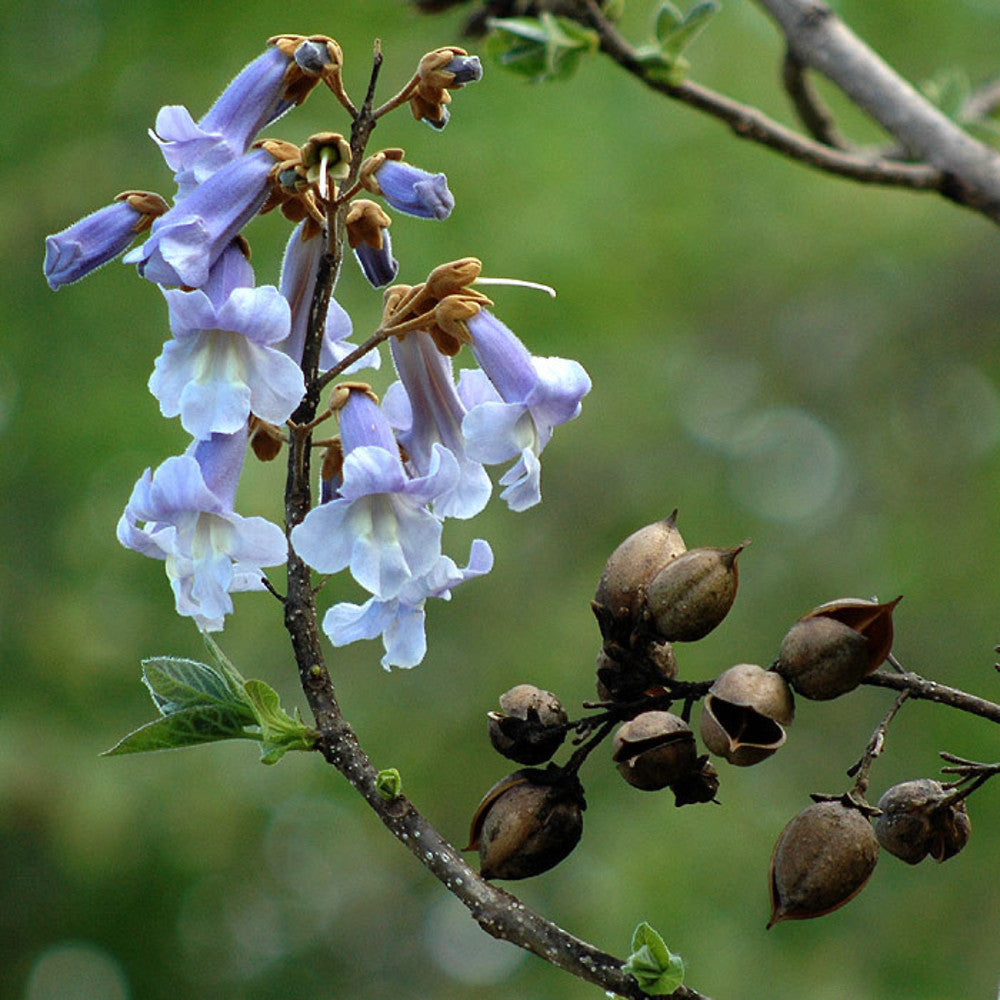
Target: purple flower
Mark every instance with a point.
(377, 263)
(298, 282)
(219, 368)
(378, 524)
(400, 621)
(414, 191)
(465, 69)
(261, 93)
(514, 403)
(97, 238)
(185, 243)
(424, 406)
(209, 549)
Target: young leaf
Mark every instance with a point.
(279, 732)
(389, 784)
(668, 19)
(675, 41)
(176, 683)
(543, 48)
(655, 967)
(186, 728)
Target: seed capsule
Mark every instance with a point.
(744, 713)
(623, 674)
(822, 860)
(529, 727)
(692, 594)
(917, 820)
(699, 785)
(527, 823)
(654, 750)
(629, 570)
(830, 650)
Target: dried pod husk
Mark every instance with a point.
(624, 674)
(654, 750)
(822, 859)
(692, 594)
(823, 658)
(701, 784)
(629, 570)
(918, 820)
(744, 714)
(868, 618)
(527, 823)
(530, 725)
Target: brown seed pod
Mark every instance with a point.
(527, 823)
(654, 750)
(529, 726)
(701, 784)
(629, 570)
(918, 820)
(692, 594)
(823, 658)
(822, 859)
(744, 713)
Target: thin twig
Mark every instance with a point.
(928, 690)
(813, 114)
(876, 745)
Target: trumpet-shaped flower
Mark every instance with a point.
(400, 620)
(185, 242)
(97, 238)
(414, 191)
(210, 551)
(220, 367)
(378, 524)
(424, 406)
(515, 401)
(298, 282)
(260, 94)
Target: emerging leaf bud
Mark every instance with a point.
(629, 570)
(744, 714)
(822, 860)
(829, 651)
(527, 823)
(530, 727)
(917, 819)
(693, 593)
(654, 750)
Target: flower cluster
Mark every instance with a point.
(235, 368)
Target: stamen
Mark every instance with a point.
(516, 281)
(324, 160)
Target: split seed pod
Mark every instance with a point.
(529, 726)
(701, 784)
(623, 674)
(527, 823)
(744, 713)
(693, 593)
(628, 571)
(829, 651)
(822, 860)
(917, 820)
(654, 750)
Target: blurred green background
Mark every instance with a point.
(782, 355)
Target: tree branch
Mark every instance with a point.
(921, 687)
(819, 39)
(750, 123)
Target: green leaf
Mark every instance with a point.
(542, 48)
(675, 41)
(655, 967)
(389, 784)
(948, 89)
(176, 683)
(185, 728)
(656, 66)
(668, 19)
(279, 732)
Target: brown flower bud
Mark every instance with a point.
(744, 713)
(917, 819)
(654, 750)
(822, 860)
(530, 725)
(527, 823)
(629, 570)
(693, 593)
